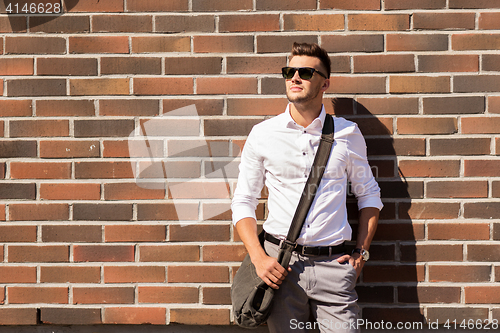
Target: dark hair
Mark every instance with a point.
(313, 50)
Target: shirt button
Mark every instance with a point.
(303, 153)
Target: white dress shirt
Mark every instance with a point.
(280, 153)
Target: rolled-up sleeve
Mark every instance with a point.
(363, 184)
(250, 182)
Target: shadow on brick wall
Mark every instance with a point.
(387, 287)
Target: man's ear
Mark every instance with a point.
(326, 85)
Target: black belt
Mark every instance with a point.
(310, 250)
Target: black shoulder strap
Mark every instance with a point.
(312, 184)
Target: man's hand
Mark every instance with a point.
(269, 270)
(355, 260)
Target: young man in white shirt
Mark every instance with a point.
(279, 153)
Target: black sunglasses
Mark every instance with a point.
(305, 73)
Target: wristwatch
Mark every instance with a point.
(364, 254)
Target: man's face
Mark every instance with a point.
(302, 91)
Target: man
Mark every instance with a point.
(279, 153)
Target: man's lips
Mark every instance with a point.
(295, 88)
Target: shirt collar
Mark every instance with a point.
(317, 124)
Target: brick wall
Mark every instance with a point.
(91, 232)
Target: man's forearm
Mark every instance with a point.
(367, 225)
(247, 230)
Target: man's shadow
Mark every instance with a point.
(387, 287)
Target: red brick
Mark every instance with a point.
(463, 146)
(353, 43)
(423, 125)
(107, 295)
(122, 148)
(104, 253)
(38, 128)
(134, 274)
(448, 63)
(489, 21)
(480, 125)
(135, 316)
(304, 22)
(399, 231)
(350, 5)
(456, 273)
(482, 295)
(162, 253)
(36, 87)
(168, 295)
(66, 66)
(15, 274)
(481, 210)
(384, 63)
(255, 107)
(103, 128)
(70, 274)
(483, 252)
(135, 233)
(199, 233)
(18, 233)
(35, 45)
(94, 6)
(281, 43)
(98, 44)
(414, 4)
(104, 212)
(193, 65)
(490, 62)
(461, 4)
(451, 105)
(163, 86)
(428, 294)
(16, 66)
(39, 170)
(217, 295)
(166, 211)
(390, 147)
(63, 24)
(223, 44)
(430, 168)
(27, 295)
(17, 190)
(155, 6)
(132, 107)
(18, 316)
(444, 21)
(481, 168)
(496, 189)
(217, 253)
(221, 5)
(15, 108)
(417, 42)
(198, 190)
(268, 5)
(224, 85)
(462, 189)
(419, 84)
(462, 42)
(357, 85)
(197, 274)
(101, 86)
(70, 316)
(38, 212)
(12, 23)
(249, 22)
(387, 105)
(130, 65)
(429, 210)
(122, 23)
(423, 253)
(170, 127)
(69, 149)
(185, 23)
(200, 316)
(72, 233)
(379, 22)
(61, 108)
(131, 191)
(459, 231)
(160, 44)
(38, 253)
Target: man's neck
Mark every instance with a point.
(304, 115)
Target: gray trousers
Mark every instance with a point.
(319, 286)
